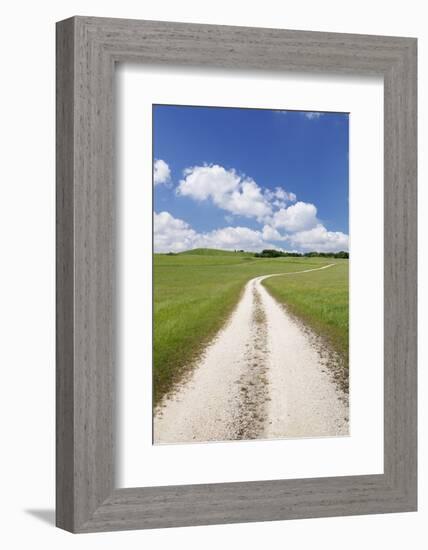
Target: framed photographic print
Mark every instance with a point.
(236, 274)
(262, 376)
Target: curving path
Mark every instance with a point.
(262, 377)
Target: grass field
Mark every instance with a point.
(195, 292)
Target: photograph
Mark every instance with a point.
(250, 274)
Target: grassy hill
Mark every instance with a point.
(215, 252)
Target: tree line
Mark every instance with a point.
(271, 253)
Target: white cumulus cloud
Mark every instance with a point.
(279, 197)
(175, 235)
(233, 238)
(297, 217)
(282, 218)
(319, 239)
(271, 234)
(161, 172)
(171, 234)
(227, 189)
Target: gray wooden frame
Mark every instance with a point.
(87, 50)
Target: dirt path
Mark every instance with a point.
(262, 377)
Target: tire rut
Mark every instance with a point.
(253, 383)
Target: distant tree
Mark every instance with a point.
(272, 253)
(342, 254)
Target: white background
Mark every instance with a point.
(27, 273)
(362, 452)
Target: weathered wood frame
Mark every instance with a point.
(87, 50)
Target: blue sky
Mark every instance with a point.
(250, 178)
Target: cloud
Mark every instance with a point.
(232, 192)
(227, 189)
(313, 115)
(161, 172)
(320, 240)
(271, 234)
(282, 219)
(171, 234)
(175, 235)
(282, 194)
(279, 197)
(231, 238)
(297, 217)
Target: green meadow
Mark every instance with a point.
(194, 292)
